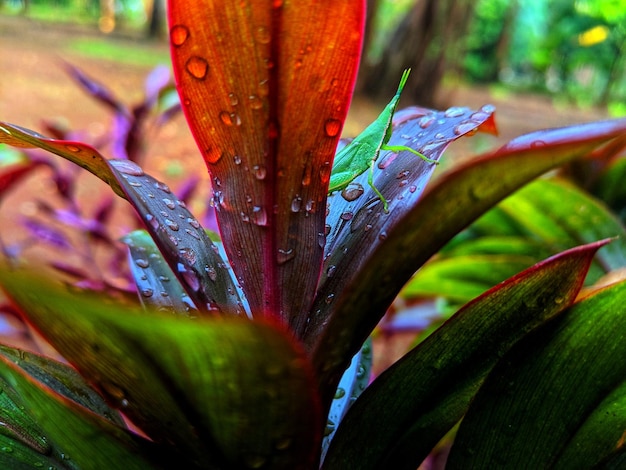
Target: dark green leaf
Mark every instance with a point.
(545, 393)
(413, 404)
(226, 392)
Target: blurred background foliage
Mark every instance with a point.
(572, 50)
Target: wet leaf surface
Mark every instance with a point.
(247, 92)
(443, 210)
(412, 405)
(226, 392)
(563, 376)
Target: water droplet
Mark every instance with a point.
(352, 192)
(262, 35)
(197, 67)
(310, 206)
(142, 263)
(346, 216)
(466, 127)
(169, 203)
(237, 160)
(455, 111)
(217, 182)
(7, 449)
(152, 220)
(178, 35)
(162, 186)
(325, 171)
(255, 102)
(193, 234)
(135, 184)
(211, 272)
(403, 174)
(332, 127)
(412, 188)
(245, 217)
(218, 199)
(488, 108)
(537, 144)
(321, 239)
(72, 148)
(230, 119)
(264, 88)
(330, 272)
(259, 216)
(296, 204)
(147, 292)
(193, 222)
(329, 298)
(430, 148)
(127, 167)
(234, 101)
(260, 172)
(188, 254)
(172, 225)
(340, 393)
(190, 277)
(382, 236)
(426, 121)
(285, 255)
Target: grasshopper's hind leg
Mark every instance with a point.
(370, 181)
(402, 148)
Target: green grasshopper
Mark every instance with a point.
(360, 154)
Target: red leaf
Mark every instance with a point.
(265, 87)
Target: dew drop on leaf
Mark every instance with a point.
(330, 272)
(264, 88)
(197, 67)
(237, 160)
(142, 263)
(262, 35)
(147, 293)
(259, 216)
(332, 127)
(346, 216)
(232, 98)
(193, 222)
(163, 187)
(127, 167)
(454, 111)
(179, 35)
(169, 203)
(296, 204)
(211, 272)
(285, 255)
(325, 171)
(172, 225)
(152, 220)
(260, 172)
(255, 102)
(352, 192)
(426, 121)
(465, 127)
(230, 119)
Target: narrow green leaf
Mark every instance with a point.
(549, 388)
(88, 441)
(409, 407)
(227, 391)
(157, 285)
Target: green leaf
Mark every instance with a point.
(87, 440)
(224, 392)
(550, 391)
(407, 409)
(455, 200)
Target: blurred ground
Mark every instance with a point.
(33, 86)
